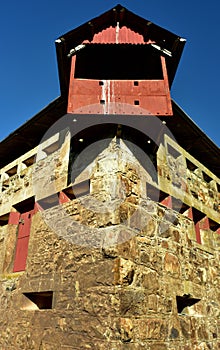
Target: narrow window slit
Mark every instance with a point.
(12, 171)
(30, 161)
(49, 202)
(77, 190)
(190, 165)
(206, 177)
(38, 300)
(4, 219)
(185, 301)
(173, 152)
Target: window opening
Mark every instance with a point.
(214, 226)
(5, 185)
(184, 301)
(173, 152)
(25, 206)
(190, 165)
(179, 206)
(9, 173)
(82, 188)
(4, 219)
(195, 194)
(114, 62)
(12, 171)
(206, 177)
(29, 161)
(38, 300)
(69, 193)
(78, 190)
(49, 202)
(197, 216)
(159, 196)
(51, 148)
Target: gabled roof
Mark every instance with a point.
(163, 39)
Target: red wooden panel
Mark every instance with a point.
(143, 97)
(117, 35)
(21, 254)
(25, 224)
(190, 213)
(63, 198)
(37, 208)
(14, 218)
(112, 88)
(204, 223)
(197, 229)
(167, 202)
(22, 240)
(149, 97)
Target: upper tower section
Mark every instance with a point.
(118, 63)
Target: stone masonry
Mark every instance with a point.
(118, 264)
(110, 238)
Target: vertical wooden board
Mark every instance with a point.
(25, 224)
(14, 218)
(21, 254)
(190, 213)
(198, 236)
(152, 95)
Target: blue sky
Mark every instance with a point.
(28, 68)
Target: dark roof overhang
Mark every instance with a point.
(29, 135)
(186, 132)
(193, 139)
(165, 40)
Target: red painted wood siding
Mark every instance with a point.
(148, 97)
(21, 252)
(118, 35)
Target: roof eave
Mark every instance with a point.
(175, 44)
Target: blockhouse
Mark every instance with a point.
(110, 203)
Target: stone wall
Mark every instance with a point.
(119, 267)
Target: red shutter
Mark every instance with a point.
(167, 202)
(24, 227)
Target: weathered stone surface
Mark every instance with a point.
(115, 259)
(171, 264)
